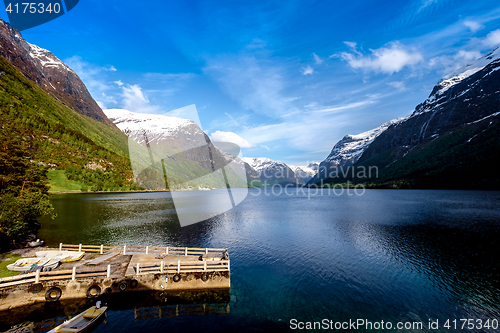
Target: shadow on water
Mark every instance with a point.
(140, 312)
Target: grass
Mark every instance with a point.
(7, 259)
(59, 182)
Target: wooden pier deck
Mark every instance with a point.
(109, 269)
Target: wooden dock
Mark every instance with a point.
(112, 269)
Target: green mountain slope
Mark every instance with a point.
(93, 153)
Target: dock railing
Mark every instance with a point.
(183, 267)
(189, 266)
(39, 276)
(126, 249)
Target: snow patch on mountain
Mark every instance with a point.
(305, 172)
(347, 151)
(271, 171)
(46, 58)
(467, 70)
(260, 163)
(156, 127)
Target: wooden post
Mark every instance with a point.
(60, 246)
(228, 265)
(162, 266)
(37, 276)
(101, 248)
(178, 266)
(73, 275)
(124, 249)
(108, 272)
(167, 250)
(205, 267)
(186, 251)
(138, 268)
(206, 251)
(147, 249)
(80, 248)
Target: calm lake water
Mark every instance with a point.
(393, 255)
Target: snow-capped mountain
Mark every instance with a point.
(48, 72)
(305, 172)
(253, 177)
(463, 98)
(460, 98)
(177, 147)
(347, 151)
(156, 128)
(450, 140)
(272, 172)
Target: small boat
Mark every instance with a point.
(83, 321)
(25, 264)
(62, 256)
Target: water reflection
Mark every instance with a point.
(386, 255)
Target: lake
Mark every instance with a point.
(397, 256)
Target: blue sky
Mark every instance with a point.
(289, 78)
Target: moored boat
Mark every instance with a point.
(83, 321)
(62, 256)
(25, 264)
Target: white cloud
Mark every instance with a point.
(385, 59)
(493, 38)
(450, 63)
(219, 136)
(352, 45)
(266, 147)
(400, 85)
(111, 68)
(307, 71)
(118, 83)
(318, 60)
(473, 25)
(135, 100)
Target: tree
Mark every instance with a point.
(23, 186)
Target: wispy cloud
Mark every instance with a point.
(388, 60)
(256, 84)
(448, 63)
(307, 71)
(335, 109)
(493, 38)
(400, 85)
(473, 25)
(317, 59)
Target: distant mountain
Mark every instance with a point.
(273, 172)
(347, 151)
(451, 140)
(188, 157)
(305, 172)
(252, 175)
(48, 72)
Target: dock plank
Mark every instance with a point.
(101, 259)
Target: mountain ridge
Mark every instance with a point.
(438, 145)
